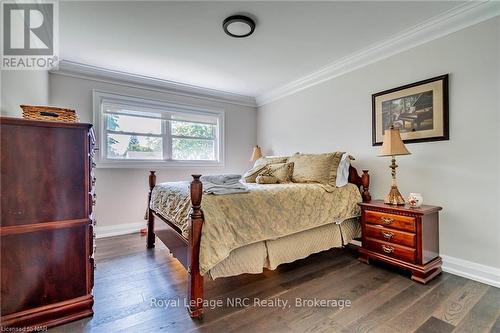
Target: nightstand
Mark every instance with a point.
(402, 236)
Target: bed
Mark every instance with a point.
(245, 233)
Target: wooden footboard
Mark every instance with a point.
(195, 280)
(187, 250)
(151, 218)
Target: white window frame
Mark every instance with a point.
(166, 109)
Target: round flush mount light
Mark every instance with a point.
(238, 26)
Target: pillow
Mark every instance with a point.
(270, 160)
(251, 175)
(316, 168)
(343, 170)
(263, 179)
(281, 171)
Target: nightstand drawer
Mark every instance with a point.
(391, 220)
(391, 250)
(390, 235)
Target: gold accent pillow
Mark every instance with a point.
(281, 171)
(263, 179)
(251, 175)
(270, 160)
(315, 168)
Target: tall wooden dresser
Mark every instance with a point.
(47, 238)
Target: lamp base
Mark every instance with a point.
(394, 197)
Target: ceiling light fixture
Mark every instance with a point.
(238, 26)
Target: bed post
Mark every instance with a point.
(365, 181)
(151, 218)
(362, 182)
(195, 280)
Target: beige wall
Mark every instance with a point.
(23, 87)
(461, 174)
(121, 193)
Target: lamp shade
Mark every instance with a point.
(256, 154)
(393, 145)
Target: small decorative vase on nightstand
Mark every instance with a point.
(415, 200)
(403, 236)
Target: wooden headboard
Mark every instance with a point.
(362, 182)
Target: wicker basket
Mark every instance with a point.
(49, 113)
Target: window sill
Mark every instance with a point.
(157, 165)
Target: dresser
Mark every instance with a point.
(402, 236)
(47, 239)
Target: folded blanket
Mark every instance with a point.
(228, 179)
(212, 188)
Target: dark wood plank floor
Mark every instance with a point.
(132, 286)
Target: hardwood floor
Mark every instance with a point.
(132, 286)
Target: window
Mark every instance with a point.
(137, 132)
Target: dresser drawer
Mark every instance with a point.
(405, 223)
(391, 250)
(390, 235)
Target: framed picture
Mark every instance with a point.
(419, 110)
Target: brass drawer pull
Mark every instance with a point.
(387, 249)
(386, 220)
(387, 235)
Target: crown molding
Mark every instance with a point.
(83, 71)
(460, 17)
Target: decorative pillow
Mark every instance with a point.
(251, 175)
(263, 179)
(270, 160)
(315, 168)
(281, 171)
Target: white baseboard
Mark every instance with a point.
(467, 269)
(471, 270)
(118, 229)
(355, 242)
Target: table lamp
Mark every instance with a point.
(256, 154)
(393, 146)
